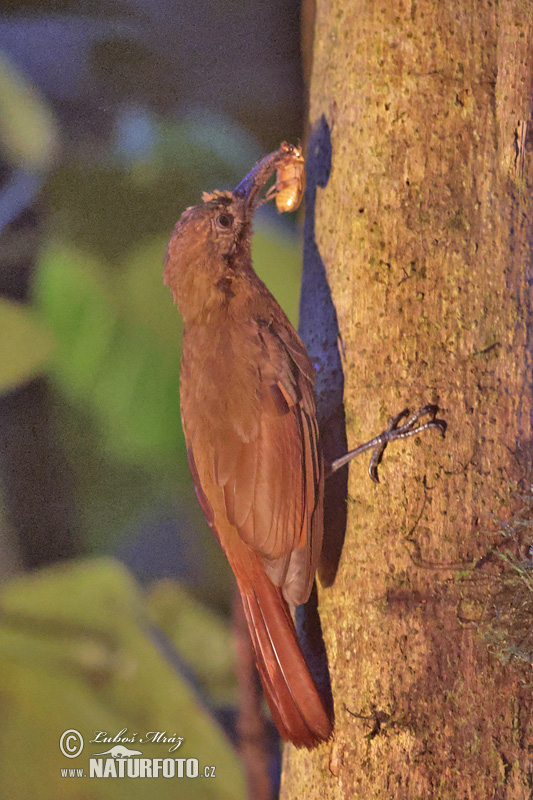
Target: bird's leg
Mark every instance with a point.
(394, 431)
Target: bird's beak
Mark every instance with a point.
(251, 186)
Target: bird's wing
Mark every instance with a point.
(273, 483)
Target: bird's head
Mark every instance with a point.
(210, 246)
(211, 243)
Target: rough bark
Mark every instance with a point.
(423, 228)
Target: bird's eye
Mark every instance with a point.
(225, 220)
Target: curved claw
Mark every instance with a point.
(393, 432)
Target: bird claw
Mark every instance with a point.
(394, 431)
(409, 428)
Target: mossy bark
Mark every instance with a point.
(424, 229)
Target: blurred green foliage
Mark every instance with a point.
(26, 344)
(117, 349)
(203, 638)
(77, 650)
(29, 133)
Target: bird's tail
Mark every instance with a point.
(294, 701)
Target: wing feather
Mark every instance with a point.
(282, 492)
(272, 482)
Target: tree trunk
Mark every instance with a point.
(423, 228)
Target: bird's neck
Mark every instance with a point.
(207, 287)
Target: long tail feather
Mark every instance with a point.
(294, 701)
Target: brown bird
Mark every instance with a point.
(249, 418)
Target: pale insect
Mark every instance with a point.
(290, 180)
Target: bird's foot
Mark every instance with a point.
(394, 431)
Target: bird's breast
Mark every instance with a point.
(220, 379)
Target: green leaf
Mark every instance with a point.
(202, 638)
(28, 133)
(144, 297)
(26, 344)
(77, 650)
(118, 349)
